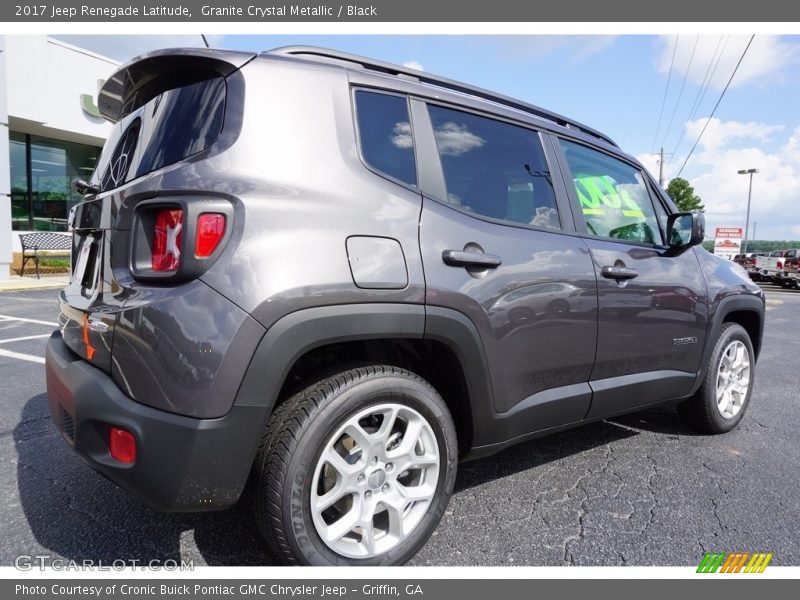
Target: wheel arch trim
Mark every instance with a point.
(730, 304)
(299, 332)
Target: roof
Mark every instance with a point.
(354, 61)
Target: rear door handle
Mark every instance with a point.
(460, 258)
(617, 272)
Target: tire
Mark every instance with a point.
(345, 437)
(702, 410)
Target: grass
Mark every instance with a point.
(56, 263)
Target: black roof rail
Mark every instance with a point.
(450, 84)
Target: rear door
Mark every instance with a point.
(496, 246)
(652, 300)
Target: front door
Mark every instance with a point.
(653, 313)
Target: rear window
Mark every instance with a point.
(494, 169)
(384, 130)
(172, 126)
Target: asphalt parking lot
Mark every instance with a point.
(638, 490)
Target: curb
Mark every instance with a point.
(25, 287)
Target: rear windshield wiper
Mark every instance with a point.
(84, 187)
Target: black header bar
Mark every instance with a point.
(464, 11)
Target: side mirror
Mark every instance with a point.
(685, 230)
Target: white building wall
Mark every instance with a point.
(5, 177)
(41, 83)
(45, 79)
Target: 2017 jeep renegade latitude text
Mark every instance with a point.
(335, 278)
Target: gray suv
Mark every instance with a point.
(330, 279)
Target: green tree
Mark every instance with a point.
(683, 195)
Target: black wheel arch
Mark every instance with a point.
(390, 333)
(746, 310)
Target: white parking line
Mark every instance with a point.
(10, 318)
(20, 356)
(26, 337)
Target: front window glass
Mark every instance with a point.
(613, 196)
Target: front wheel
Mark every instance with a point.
(722, 399)
(356, 469)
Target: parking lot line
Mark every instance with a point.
(20, 356)
(25, 337)
(10, 318)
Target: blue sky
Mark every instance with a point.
(617, 84)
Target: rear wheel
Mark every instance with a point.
(356, 469)
(722, 399)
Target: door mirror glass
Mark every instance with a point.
(686, 229)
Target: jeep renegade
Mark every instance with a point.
(334, 278)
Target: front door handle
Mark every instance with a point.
(461, 258)
(617, 272)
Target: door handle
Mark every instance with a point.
(460, 258)
(617, 272)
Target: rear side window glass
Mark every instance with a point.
(172, 126)
(613, 196)
(384, 131)
(494, 169)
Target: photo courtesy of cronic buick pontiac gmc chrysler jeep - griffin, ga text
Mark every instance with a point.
(330, 279)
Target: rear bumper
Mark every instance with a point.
(182, 463)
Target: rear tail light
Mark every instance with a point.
(175, 239)
(167, 238)
(208, 234)
(122, 445)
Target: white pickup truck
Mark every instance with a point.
(770, 266)
(780, 267)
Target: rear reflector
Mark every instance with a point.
(122, 445)
(210, 231)
(167, 238)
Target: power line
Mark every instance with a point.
(721, 96)
(701, 91)
(680, 94)
(666, 89)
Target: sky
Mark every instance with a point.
(645, 92)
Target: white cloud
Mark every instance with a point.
(401, 135)
(650, 161)
(453, 139)
(718, 134)
(768, 58)
(412, 64)
(730, 146)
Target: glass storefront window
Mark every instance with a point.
(20, 209)
(42, 170)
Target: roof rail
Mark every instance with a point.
(450, 84)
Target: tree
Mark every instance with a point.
(683, 195)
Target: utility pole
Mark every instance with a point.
(750, 172)
(661, 169)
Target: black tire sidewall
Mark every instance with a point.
(372, 390)
(731, 333)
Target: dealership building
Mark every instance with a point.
(50, 133)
